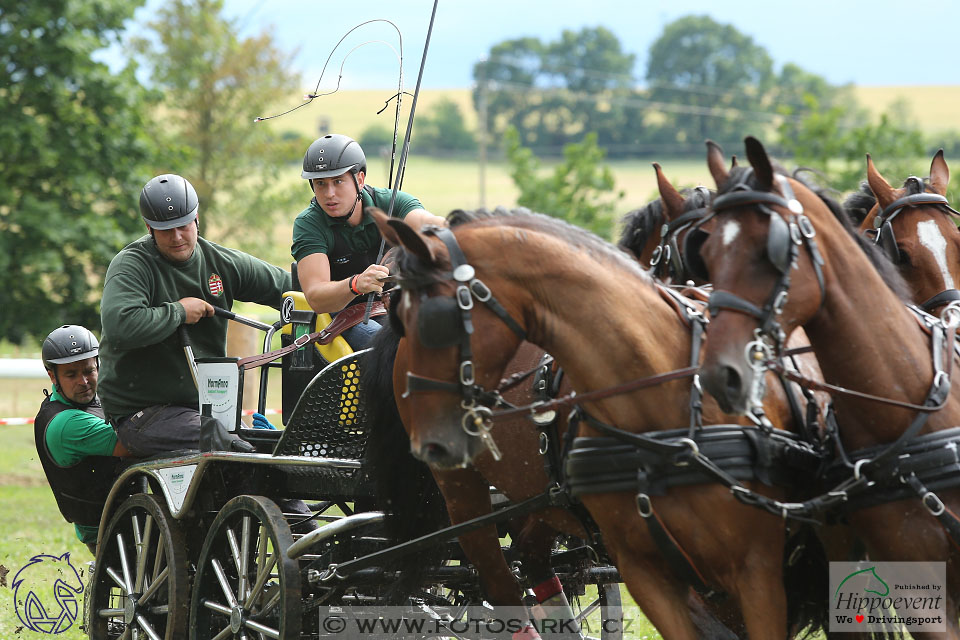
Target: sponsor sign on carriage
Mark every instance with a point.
(220, 384)
(888, 596)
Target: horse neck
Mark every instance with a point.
(605, 323)
(866, 339)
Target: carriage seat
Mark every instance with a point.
(329, 421)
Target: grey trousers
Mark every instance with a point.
(159, 429)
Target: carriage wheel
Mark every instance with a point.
(245, 586)
(140, 586)
(611, 611)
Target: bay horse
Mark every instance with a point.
(913, 226)
(551, 280)
(520, 474)
(780, 259)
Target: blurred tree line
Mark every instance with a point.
(79, 140)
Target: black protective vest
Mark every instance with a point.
(345, 263)
(81, 490)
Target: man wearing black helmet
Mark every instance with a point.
(335, 241)
(170, 278)
(77, 448)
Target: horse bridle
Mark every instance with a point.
(667, 256)
(883, 236)
(783, 249)
(439, 314)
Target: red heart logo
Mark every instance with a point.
(859, 618)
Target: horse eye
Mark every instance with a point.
(903, 257)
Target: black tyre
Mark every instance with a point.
(140, 586)
(245, 585)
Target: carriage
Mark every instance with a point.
(267, 543)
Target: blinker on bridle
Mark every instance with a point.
(445, 321)
(882, 233)
(667, 259)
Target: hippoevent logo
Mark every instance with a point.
(888, 596)
(45, 593)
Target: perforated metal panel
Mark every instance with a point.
(329, 421)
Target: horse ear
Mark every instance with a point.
(716, 163)
(397, 232)
(880, 187)
(733, 161)
(760, 162)
(939, 174)
(672, 200)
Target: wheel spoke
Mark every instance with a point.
(261, 628)
(224, 634)
(224, 583)
(124, 563)
(158, 561)
(116, 578)
(216, 606)
(143, 546)
(147, 628)
(273, 602)
(155, 586)
(127, 634)
(244, 558)
(262, 576)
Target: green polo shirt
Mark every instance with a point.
(73, 435)
(313, 229)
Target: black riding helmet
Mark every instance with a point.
(168, 201)
(67, 344)
(334, 155)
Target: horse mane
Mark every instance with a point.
(640, 224)
(858, 204)
(417, 274)
(887, 270)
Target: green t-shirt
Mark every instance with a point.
(313, 229)
(73, 435)
(142, 360)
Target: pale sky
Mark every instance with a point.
(875, 43)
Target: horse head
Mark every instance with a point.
(459, 341)
(761, 248)
(914, 228)
(655, 233)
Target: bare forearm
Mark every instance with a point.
(328, 296)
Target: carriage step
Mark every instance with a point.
(346, 523)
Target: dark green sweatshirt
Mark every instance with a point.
(142, 362)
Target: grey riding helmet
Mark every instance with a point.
(168, 201)
(333, 155)
(67, 344)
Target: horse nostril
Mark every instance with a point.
(733, 385)
(433, 452)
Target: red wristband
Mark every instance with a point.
(353, 285)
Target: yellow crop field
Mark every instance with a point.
(934, 108)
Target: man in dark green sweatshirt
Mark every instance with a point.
(167, 279)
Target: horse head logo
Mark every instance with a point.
(869, 578)
(45, 593)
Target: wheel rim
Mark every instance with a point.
(245, 585)
(139, 587)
